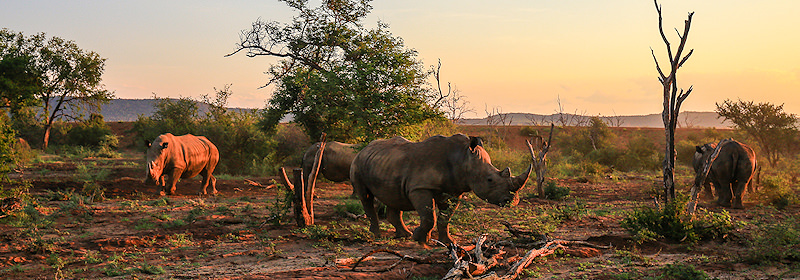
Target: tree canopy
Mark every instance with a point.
(773, 129)
(70, 77)
(19, 83)
(339, 77)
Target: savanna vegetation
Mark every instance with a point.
(72, 204)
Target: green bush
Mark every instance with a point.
(683, 271)
(554, 192)
(89, 133)
(784, 234)
(777, 191)
(352, 206)
(672, 222)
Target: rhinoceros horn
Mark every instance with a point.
(520, 180)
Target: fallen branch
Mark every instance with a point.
(481, 266)
(402, 258)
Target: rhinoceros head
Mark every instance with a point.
(497, 187)
(701, 154)
(156, 159)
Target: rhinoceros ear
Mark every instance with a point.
(505, 173)
(698, 149)
(474, 142)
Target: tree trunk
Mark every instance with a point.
(46, 139)
(301, 214)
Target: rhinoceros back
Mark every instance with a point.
(195, 153)
(390, 168)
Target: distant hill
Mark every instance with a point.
(128, 110)
(686, 120)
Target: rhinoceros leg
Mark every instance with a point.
(209, 179)
(423, 203)
(738, 190)
(368, 202)
(707, 192)
(395, 217)
(723, 191)
(444, 212)
(174, 176)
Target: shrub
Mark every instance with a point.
(683, 271)
(767, 237)
(89, 133)
(671, 222)
(352, 206)
(554, 192)
(777, 191)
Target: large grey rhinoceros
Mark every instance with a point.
(336, 160)
(183, 156)
(408, 176)
(730, 173)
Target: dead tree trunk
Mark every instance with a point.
(539, 155)
(301, 214)
(302, 193)
(672, 99)
(312, 178)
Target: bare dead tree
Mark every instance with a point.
(532, 119)
(451, 102)
(567, 119)
(689, 121)
(538, 152)
(615, 120)
(673, 98)
(303, 194)
(497, 119)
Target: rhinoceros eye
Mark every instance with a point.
(490, 179)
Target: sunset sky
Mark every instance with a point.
(513, 55)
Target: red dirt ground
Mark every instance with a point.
(134, 233)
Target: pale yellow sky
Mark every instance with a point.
(517, 56)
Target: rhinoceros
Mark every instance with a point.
(731, 172)
(406, 176)
(336, 160)
(171, 157)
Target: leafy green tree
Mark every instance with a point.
(70, 76)
(774, 130)
(19, 83)
(90, 132)
(178, 117)
(6, 141)
(336, 76)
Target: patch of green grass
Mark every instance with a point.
(160, 202)
(151, 269)
(193, 214)
(180, 239)
(682, 271)
(91, 257)
(352, 206)
(145, 224)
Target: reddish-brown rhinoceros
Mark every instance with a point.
(177, 157)
(731, 172)
(408, 176)
(336, 160)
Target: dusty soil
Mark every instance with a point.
(134, 233)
